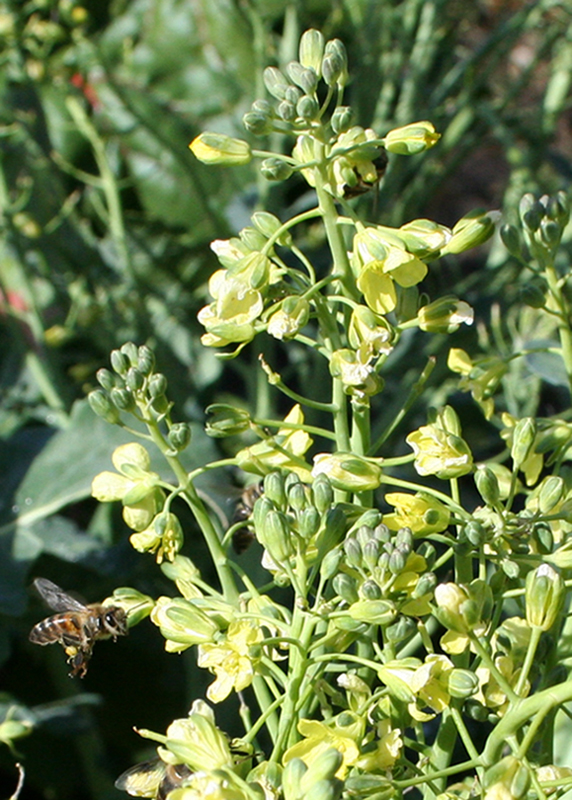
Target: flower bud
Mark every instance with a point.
(145, 360)
(304, 77)
(550, 232)
(470, 231)
(402, 629)
(487, 484)
(275, 82)
(276, 536)
(226, 420)
(275, 169)
(353, 551)
(102, 406)
(180, 436)
(157, 385)
(311, 49)
(397, 561)
(411, 139)
(373, 612)
(544, 596)
(257, 122)
(182, 623)
(533, 294)
(510, 237)
(335, 63)
(119, 362)
(286, 111)
(275, 489)
(105, 379)
(445, 315)
(330, 563)
(523, 437)
(309, 522)
(292, 775)
(531, 212)
(369, 590)
(550, 493)
(307, 107)
(345, 587)
(371, 552)
(322, 492)
(268, 225)
(475, 533)
(462, 683)
(342, 119)
(134, 379)
(122, 399)
(218, 148)
(347, 471)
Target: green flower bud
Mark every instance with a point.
(551, 493)
(347, 471)
(268, 224)
(543, 538)
(145, 360)
(275, 82)
(523, 437)
(119, 362)
(262, 507)
(157, 385)
(550, 232)
(254, 241)
(335, 63)
(353, 551)
(462, 683)
(311, 49)
(297, 497)
(475, 533)
(226, 420)
(411, 139)
(322, 492)
(342, 119)
(371, 552)
(217, 148)
(134, 380)
(307, 107)
(397, 561)
(182, 623)
(304, 77)
(531, 212)
(369, 590)
(533, 294)
(257, 122)
(103, 407)
(160, 404)
(544, 596)
(405, 540)
(276, 536)
(275, 489)
(403, 629)
(105, 378)
(334, 527)
(345, 587)
(487, 484)
(558, 208)
(293, 94)
(122, 398)
(445, 315)
(275, 169)
(330, 563)
(425, 585)
(136, 605)
(180, 436)
(286, 111)
(309, 522)
(292, 775)
(510, 237)
(470, 231)
(373, 612)
(130, 350)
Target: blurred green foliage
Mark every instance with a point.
(105, 224)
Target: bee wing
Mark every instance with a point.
(55, 597)
(142, 780)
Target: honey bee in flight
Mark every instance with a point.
(76, 626)
(243, 537)
(153, 779)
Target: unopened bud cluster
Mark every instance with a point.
(133, 386)
(542, 224)
(384, 580)
(295, 521)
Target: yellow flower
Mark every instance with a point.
(217, 148)
(348, 471)
(480, 377)
(430, 684)
(319, 737)
(182, 623)
(420, 512)
(388, 749)
(231, 317)
(411, 139)
(197, 742)
(282, 451)
(439, 450)
(233, 661)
